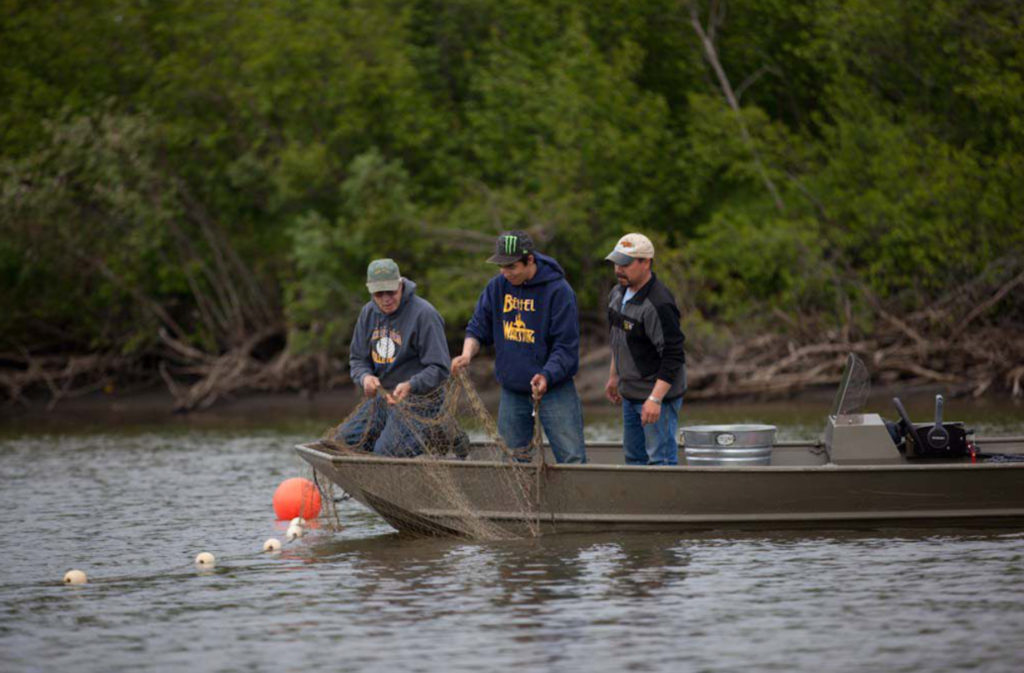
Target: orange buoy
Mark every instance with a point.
(296, 497)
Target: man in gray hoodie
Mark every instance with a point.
(398, 349)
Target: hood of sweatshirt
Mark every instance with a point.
(548, 271)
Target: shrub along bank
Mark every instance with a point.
(191, 191)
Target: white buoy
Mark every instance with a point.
(75, 577)
(205, 559)
(298, 521)
(294, 532)
(272, 544)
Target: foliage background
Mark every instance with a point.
(218, 174)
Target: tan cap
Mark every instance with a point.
(630, 247)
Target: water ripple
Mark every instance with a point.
(132, 511)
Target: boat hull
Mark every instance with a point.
(416, 495)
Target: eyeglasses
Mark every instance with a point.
(385, 293)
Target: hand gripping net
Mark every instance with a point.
(496, 501)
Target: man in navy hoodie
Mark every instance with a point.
(529, 313)
(398, 350)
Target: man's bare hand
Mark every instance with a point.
(402, 391)
(371, 385)
(539, 386)
(460, 362)
(650, 413)
(611, 390)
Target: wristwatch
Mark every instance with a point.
(656, 400)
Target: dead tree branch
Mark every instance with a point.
(711, 53)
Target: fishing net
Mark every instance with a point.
(435, 490)
(329, 499)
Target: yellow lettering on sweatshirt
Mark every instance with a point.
(516, 330)
(517, 304)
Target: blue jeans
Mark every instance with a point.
(654, 443)
(561, 416)
(376, 427)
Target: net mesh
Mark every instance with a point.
(438, 492)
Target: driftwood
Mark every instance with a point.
(948, 345)
(954, 344)
(65, 377)
(774, 366)
(212, 378)
(932, 347)
(195, 379)
(978, 361)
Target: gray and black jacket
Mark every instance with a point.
(647, 343)
(408, 345)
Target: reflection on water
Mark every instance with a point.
(133, 509)
(798, 418)
(802, 418)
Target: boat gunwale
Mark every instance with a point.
(334, 457)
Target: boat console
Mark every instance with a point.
(853, 438)
(860, 439)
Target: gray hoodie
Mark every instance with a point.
(408, 345)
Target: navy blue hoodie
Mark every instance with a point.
(534, 327)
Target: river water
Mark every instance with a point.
(133, 505)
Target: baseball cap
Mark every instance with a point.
(511, 247)
(383, 276)
(630, 247)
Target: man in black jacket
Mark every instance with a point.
(648, 369)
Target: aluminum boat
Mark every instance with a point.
(861, 473)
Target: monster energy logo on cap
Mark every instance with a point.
(511, 247)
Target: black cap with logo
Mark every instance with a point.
(511, 247)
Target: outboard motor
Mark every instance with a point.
(938, 440)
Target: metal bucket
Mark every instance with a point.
(732, 445)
